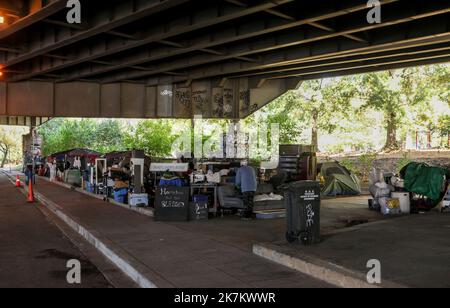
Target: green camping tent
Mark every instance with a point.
(339, 181)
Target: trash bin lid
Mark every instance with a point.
(301, 185)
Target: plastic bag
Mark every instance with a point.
(379, 191)
(376, 176)
(390, 206)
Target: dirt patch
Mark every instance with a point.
(355, 222)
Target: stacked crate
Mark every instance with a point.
(299, 161)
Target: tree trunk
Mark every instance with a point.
(315, 130)
(429, 140)
(391, 141)
(5, 157)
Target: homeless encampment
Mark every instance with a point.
(339, 181)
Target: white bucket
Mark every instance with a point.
(405, 202)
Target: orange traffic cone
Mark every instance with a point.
(18, 184)
(30, 198)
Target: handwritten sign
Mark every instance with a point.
(172, 203)
(161, 167)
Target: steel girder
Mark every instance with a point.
(217, 58)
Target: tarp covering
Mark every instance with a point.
(424, 180)
(339, 181)
(117, 154)
(77, 152)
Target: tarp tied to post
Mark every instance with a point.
(424, 180)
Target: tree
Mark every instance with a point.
(442, 127)
(396, 94)
(319, 105)
(64, 134)
(109, 136)
(324, 104)
(11, 144)
(279, 112)
(7, 142)
(153, 136)
(440, 79)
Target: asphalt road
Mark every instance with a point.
(33, 251)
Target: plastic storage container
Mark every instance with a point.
(138, 200)
(120, 195)
(302, 201)
(405, 201)
(73, 177)
(89, 187)
(201, 198)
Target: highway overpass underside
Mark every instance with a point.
(216, 58)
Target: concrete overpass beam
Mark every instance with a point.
(211, 98)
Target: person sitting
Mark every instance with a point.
(278, 178)
(247, 183)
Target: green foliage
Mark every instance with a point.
(350, 165)
(366, 162)
(440, 79)
(153, 136)
(280, 111)
(442, 126)
(11, 145)
(65, 134)
(318, 105)
(109, 136)
(354, 110)
(404, 97)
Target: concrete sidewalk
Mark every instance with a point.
(414, 251)
(163, 255)
(34, 252)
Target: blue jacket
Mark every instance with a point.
(246, 179)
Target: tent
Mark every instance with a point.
(339, 181)
(62, 158)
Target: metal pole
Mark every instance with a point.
(33, 151)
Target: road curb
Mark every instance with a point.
(325, 271)
(103, 248)
(143, 211)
